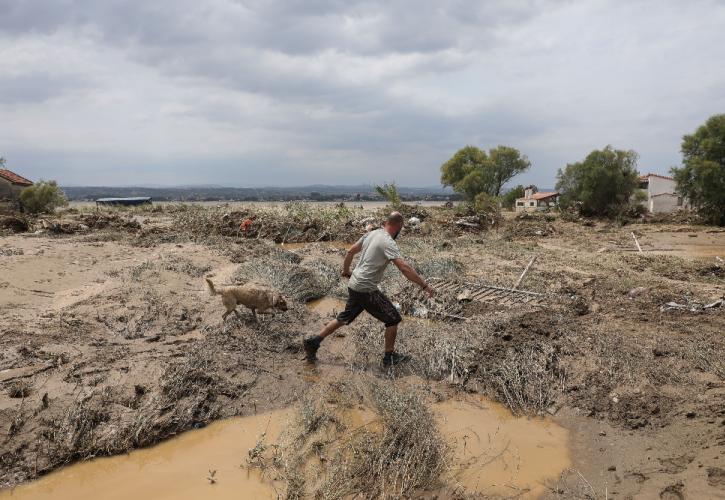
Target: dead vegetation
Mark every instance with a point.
(393, 449)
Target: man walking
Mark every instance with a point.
(378, 249)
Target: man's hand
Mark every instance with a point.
(429, 290)
(345, 274)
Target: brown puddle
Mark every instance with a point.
(175, 469)
(495, 453)
(326, 306)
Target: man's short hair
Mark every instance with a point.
(395, 218)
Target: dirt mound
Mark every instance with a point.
(528, 225)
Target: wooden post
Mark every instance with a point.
(636, 242)
(523, 275)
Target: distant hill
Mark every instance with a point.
(315, 192)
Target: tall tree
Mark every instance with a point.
(602, 184)
(701, 179)
(507, 163)
(471, 171)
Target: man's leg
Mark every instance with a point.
(352, 311)
(390, 333)
(381, 308)
(312, 344)
(331, 327)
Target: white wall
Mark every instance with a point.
(659, 185)
(663, 204)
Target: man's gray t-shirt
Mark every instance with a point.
(378, 248)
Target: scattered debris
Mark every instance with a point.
(489, 293)
(691, 306)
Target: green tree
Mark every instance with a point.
(390, 193)
(509, 199)
(701, 179)
(602, 184)
(471, 171)
(43, 196)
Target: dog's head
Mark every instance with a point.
(279, 302)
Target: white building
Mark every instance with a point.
(661, 192)
(533, 201)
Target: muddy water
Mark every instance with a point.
(494, 454)
(176, 469)
(326, 306)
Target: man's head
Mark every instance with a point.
(393, 224)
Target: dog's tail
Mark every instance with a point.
(212, 290)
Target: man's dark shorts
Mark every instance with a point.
(375, 303)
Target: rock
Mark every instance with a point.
(420, 312)
(603, 433)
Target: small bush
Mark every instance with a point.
(42, 197)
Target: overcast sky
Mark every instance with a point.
(262, 92)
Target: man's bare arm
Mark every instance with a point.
(348, 258)
(413, 276)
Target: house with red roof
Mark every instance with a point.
(11, 184)
(534, 201)
(662, 196)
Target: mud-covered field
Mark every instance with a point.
(111, 341)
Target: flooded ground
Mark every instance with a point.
(498, 454)
(495, 453)
(180, 468)
(111, 342)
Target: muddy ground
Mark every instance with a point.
(110, 340)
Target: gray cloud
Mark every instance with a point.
(261, 91)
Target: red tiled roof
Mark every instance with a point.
(644, 177)
(15, 178)
(541, 196)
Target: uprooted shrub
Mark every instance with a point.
(528, 379)
(301, 283)
(397, 454)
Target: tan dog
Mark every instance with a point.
(253, 295)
